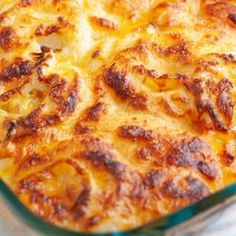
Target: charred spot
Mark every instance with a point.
(197, 189)
(82, 129)
(222, 9)
(229, 153)
(57, 87)
(53, 207)
(104, 159)
(34, 160)
(71, 103)
(228, 58)
(8, 38)
(135, 133)
(18, 69)
(25, 3)
(3, 16)
(145, 153)
(215, 101)
(224, 99)
(171, 189)
(32, 120)
(192, 153)
(94, 112)
(140, 69)
(43, 30)
(56, 1)
(189, 188)
(232, 17)
(35, 122)
(153, 178)
(49, 120)
(45, 49)
(28, 184)
(158, 148)
(81, 203)
(63, 94)
(206, 106)
(123, 89)
(8, 94)
(41, 57)
(104, 23)
(180, 50)
(92, 143)
(94, 220)
(11, 127)
(96, 54)
(208, 169)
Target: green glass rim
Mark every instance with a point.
(158, 226)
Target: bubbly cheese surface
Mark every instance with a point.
(114, 113)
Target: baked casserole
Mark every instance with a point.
(114, 113)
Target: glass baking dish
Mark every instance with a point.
(201, 209)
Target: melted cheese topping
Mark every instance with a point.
(116, 112)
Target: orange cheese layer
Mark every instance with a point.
(114, 113)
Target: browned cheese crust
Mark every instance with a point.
(114, 113)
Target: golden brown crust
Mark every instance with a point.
(42, 30)
(114, 113)
(213, 100)
(18, 69)
(8, 38)
(123, 89)
(222, 9)
(94, 112)
(104, 23)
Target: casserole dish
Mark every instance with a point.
(215, 202)
(114, 113)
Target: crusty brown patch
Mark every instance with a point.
(192, 153)
(8, 94)
(59, 205)
(25, 3)
(94, 112)
(221, 9)
(224, 99)
(82, 129)
(188, 188)
(63, 94)
(34, 159)
(157, 148)
(81, 203)
(232, 18)
(11, 127)
(214, 100)
(43, 30)
(141, 69)
(229, 153)
(104, 159)
(124, 89)
(16, 70)
(180, 50)
(35, 122)
(102, 22)
(183, 152)
(153, 178)
(65, 97)
(8, 38)
(135, 133)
